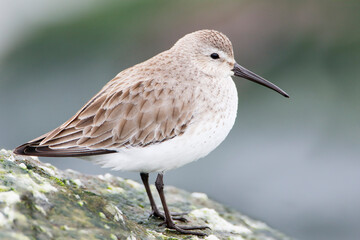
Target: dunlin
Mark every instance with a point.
(158, 115)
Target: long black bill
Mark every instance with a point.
(244, 73)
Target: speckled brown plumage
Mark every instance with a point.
(135, 109)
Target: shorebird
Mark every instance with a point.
(158, 115)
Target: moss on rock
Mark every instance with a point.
(38, 201)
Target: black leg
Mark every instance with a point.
(168, 219)
(145, 180)
(155, 210)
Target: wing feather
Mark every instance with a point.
(135, 114)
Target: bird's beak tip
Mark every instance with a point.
(244, 73)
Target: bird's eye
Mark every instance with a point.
(214, 56)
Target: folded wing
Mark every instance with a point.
(121, 115)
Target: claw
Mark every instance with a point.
(194, 227)
(178, 214)
(185, 230)
(175, 216)
(181, 219)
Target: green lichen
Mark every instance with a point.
(57, 180)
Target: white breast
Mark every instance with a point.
(216, 117)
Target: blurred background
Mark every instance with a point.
(293, 163)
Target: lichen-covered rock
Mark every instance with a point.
(38, 201)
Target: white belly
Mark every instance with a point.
(199, 139)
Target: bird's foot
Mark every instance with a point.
(185, 229)
(175, 216)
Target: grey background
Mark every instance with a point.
(293, 163)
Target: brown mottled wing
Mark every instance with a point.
(123, 115)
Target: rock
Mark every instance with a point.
(39, 201)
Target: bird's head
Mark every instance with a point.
(212, 52)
